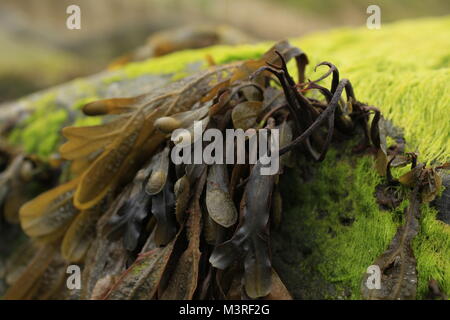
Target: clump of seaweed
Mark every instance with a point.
(146, 228)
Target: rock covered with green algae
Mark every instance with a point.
(332, 224)
(333, 229)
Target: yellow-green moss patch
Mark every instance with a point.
(333, 229)
(432, 251)
(335, 223)
(39, 133)
(183, 63)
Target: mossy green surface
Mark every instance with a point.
(85, 121)
(334, 224)
(184, 62)
(333, 229)
(40, 132)
(432, 251)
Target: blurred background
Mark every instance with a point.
(37, 49)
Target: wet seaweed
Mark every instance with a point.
(202, 230)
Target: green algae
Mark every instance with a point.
(88, 121)
(85, 90)
(40, 132)
(432, 251)
(336, 224)
(81, 120)
(183, 63)
(336, 230)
